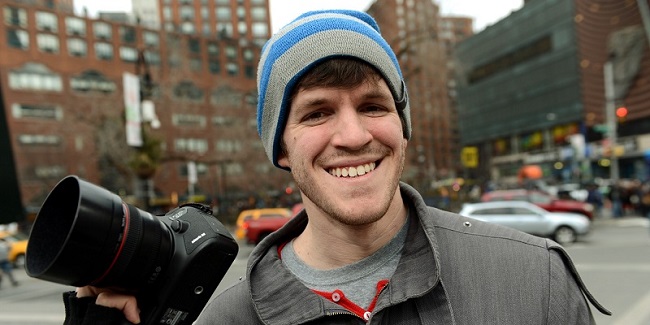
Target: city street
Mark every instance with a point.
(614, 262)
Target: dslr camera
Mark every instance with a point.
(86, 235)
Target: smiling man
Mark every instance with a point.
(333, 111)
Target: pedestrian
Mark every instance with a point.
(333, 111)
(595, 198)
(6, 267)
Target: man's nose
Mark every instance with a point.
(351, 130)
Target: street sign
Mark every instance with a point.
(601, 128)
(469, 157)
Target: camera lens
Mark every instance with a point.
(86, 235)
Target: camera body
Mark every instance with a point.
(203, 252)
(86, 235)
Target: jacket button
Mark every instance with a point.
(467, 224)
(366, 315)
(336, 297)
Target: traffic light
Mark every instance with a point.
(621, 113)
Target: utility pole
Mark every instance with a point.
(610, 118)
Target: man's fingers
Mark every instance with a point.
(86, 291)
(128, 305)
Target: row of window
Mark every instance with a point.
(33, 77)
(48, 22)
(194, 145)
(76, 26)
(48, 43)
(55, 112)
(223, 16)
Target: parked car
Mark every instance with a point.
(18, 243)
(563, 227)
(541, 199)
(255, 224)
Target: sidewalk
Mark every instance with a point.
(625, 221)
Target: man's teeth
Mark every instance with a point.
(353, 171)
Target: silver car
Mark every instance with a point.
(564, 228)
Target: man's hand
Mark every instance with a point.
(126, 303)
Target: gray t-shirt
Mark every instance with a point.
(357, 281)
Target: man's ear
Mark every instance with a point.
(283, 161)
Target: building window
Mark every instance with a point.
(47, 43)
(187, 27)
(205, 13)
(187, 13)
(46, 21)
(127, 34)
(222, 121)
(191, 145)
(213, 49)
(194, 45)
(104, 51)
(242, 28)
(15, 17)
(248, 55)
(103, 31)
(35, 76)
(223, 14)
(258, 13)
(258, 2)
(241, 13)
(77, 47)
(224, 29)
(75, 26)
(18, 39)
(188, 90)
(226, 96)
(92, 80)
(167, 13)
(214, 66)
(153, 58)
(39, 140)
(232, 68)
(249, 71)
(128, 54)
(49, 171)
(151, 39)
(41, 112)
(188, 120)
(231, 52)
(206, 29)
(228, 145)
(260, 30)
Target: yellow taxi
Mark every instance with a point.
(18, 243)
(253, 214)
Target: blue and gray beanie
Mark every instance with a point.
(309, 39)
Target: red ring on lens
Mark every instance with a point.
(127, 222)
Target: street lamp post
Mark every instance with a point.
(147, 156)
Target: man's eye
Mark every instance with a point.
(374, 109)
(314, 116)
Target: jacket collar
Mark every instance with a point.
(280, 298)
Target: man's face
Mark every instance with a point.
(346, 150)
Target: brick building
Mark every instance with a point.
(421, 39)
(62, 90)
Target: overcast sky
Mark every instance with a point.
(484, 12)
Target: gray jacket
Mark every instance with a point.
(453, 270)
